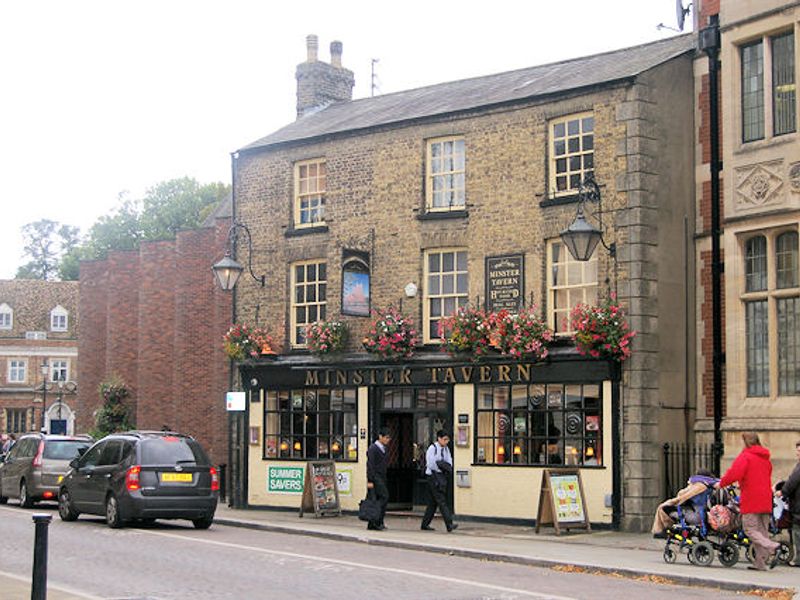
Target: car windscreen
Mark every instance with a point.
(172, 450)
(64, 449)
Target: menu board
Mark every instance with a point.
(320, 492)
(561, 501)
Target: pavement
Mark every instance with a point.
(603, 552)
(606, 552)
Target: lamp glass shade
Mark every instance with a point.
(228, 272)
(581, 238)
(45, 368)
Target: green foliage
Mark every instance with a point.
(45, 244)
(113, 415)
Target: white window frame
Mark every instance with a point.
(6, 316)
(59, 319)
(771, 295)
(460, 298)
(321, 305)
(586, 291)
(17, 370)
(59, 365)
(568, 155)
(311, 189)
(452, 180)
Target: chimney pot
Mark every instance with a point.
(312, 44)
(336, 54)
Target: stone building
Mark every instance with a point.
(38, 355)
(419, 193)
(760, 214)
(153, 317)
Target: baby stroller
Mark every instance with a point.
(690, 530)
(776, 524)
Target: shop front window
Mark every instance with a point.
(311, 424)
(539, 425)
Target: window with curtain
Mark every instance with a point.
(309, 193)
(571, 152)
(446, 174)
(446, 287)
(309, 297)
(569, 282)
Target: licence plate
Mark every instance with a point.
(176, 477)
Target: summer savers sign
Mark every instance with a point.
(289, 480)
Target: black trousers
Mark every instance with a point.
(381, 492)
(437, 498)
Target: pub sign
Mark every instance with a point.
(505, 283)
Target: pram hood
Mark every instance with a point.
(705, 479)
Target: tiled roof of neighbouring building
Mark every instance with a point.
(477, 92)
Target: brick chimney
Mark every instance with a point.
(320, 83)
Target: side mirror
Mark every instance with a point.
(73, 463)
(82, 451)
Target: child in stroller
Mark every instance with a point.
(682, 521)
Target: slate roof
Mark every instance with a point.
(489, 90)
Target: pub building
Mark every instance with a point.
(455, 195)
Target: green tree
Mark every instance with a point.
(46, 244)
(113, 415)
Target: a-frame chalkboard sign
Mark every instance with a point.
(562, 503)
(320, 492)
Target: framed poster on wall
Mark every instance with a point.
(355, 283)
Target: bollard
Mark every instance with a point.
(39, 586)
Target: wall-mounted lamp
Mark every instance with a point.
(581, 237)
(410, 290)
(228, 270)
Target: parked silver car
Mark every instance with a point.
(35, 466)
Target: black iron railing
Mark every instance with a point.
(681, 461)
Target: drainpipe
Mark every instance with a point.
(709, 42)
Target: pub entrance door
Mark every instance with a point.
(413, 415)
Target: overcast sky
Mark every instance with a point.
(101, 97)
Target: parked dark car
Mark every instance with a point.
(143, 476)
(34, 467)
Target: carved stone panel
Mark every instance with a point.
(758, 185)
(794, 177)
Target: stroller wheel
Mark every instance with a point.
(703, 554)
(784, 553)
(750, 553)
(670, 555)
(728, 554)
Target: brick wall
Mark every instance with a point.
(155, 318)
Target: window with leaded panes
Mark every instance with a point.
(569, 282)
(309, 195)
(773, 88)
(446, 175)
(539, 424)
(309, 297)
(446, 287)
(311, 424)
(771, 303)
(571, 152)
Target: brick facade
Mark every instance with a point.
(375, 198)
(155, 318)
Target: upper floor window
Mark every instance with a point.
(17, 371)
(59, 370)
(569, 282)
(309, 297)
(571, 152)
(309, 193)
(445, 181)
(446, 287)
(6, 316)
(772, 89)
(16, 420)
(771, 300)
(59, 319)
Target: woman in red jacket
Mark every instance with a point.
(753, 470)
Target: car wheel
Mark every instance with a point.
(203, 522)
(65, 509)
(25, 501)
(113, 514)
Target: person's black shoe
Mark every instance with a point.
(661, 535)
(774, 559)
(452, 527)
(372, 527)
(381, 527)
(427, 528)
